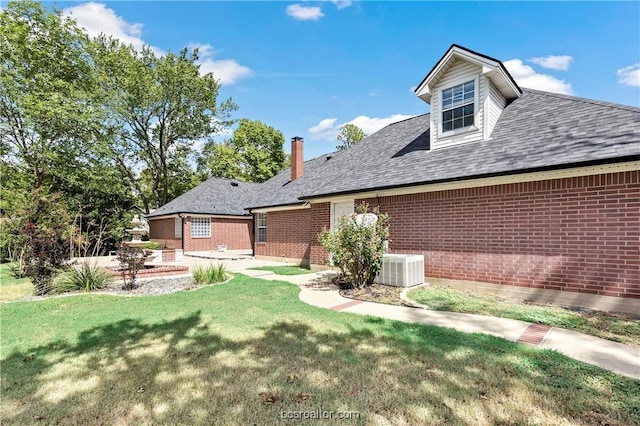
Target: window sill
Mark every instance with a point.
(458, 132)
(195, 238)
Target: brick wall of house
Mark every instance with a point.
(234, 233)
(577, 234)
(288, 235)
(320, 219)
(163, 231)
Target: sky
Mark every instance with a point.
(308, 67)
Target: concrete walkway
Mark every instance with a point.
(622, 359)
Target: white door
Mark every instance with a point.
(338, 210)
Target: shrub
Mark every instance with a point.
(357, 245)
(131, 259)
(83, 277)
(46, 252)
(209, 274)
(153, 245)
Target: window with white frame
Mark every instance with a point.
(262, 227)
(178, 227)
(200, 227)
(458, 106)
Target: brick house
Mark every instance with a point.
(496, 184)
(210, 215)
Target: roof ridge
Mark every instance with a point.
(405, 119)
(630, 108)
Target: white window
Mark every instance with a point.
(262, 227)
(178, 227)
(200, 227)
(458, 106)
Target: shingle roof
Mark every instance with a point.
(215, 196)
(537, 131)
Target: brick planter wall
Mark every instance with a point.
(577, 234)
(288, 235)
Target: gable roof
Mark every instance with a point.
(215, 196)
(537, 131)
(491, 67)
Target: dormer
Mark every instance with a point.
(467, 92)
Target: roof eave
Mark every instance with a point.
(310, 198)
(492, 68)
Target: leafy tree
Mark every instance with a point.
(349, 135)
(52, 128)
(47, 108)
(255, 153)
(357, 245)
(159, 106)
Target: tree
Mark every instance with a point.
(52, 129)
(47, 109)
(158, 107)
(349, 135)
(255, 153)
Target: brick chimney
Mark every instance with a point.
(297, 163)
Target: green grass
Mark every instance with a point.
(214, 354)
(12, 288)
(283, 270)
(618, 328)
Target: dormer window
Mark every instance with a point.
(458, 106)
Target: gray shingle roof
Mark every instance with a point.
(537, 131)
(215, 196)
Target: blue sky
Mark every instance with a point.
(308, 67)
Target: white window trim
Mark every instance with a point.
(193, 219)
(476, 107)
(259, 227)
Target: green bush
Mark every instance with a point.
(209, 274)
(153, 245)
(82, 277)
(356, 246)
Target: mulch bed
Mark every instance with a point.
(377, 293)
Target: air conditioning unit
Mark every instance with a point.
(401, 270)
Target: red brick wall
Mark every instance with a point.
(288, 235)
(163, 231)
(320, 219)
(234, 233)
(574, 234)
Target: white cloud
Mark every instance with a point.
(326, 125)
(629, 75)
(526, 76)
(342, 4)
(97, 18)
(304, 13)
(227, 71)
(327, 129)
(559, 63)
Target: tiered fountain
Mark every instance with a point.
(136, 238)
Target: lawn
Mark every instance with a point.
(247, 350)
(283, 270)
(12, 288)
(616, 327)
